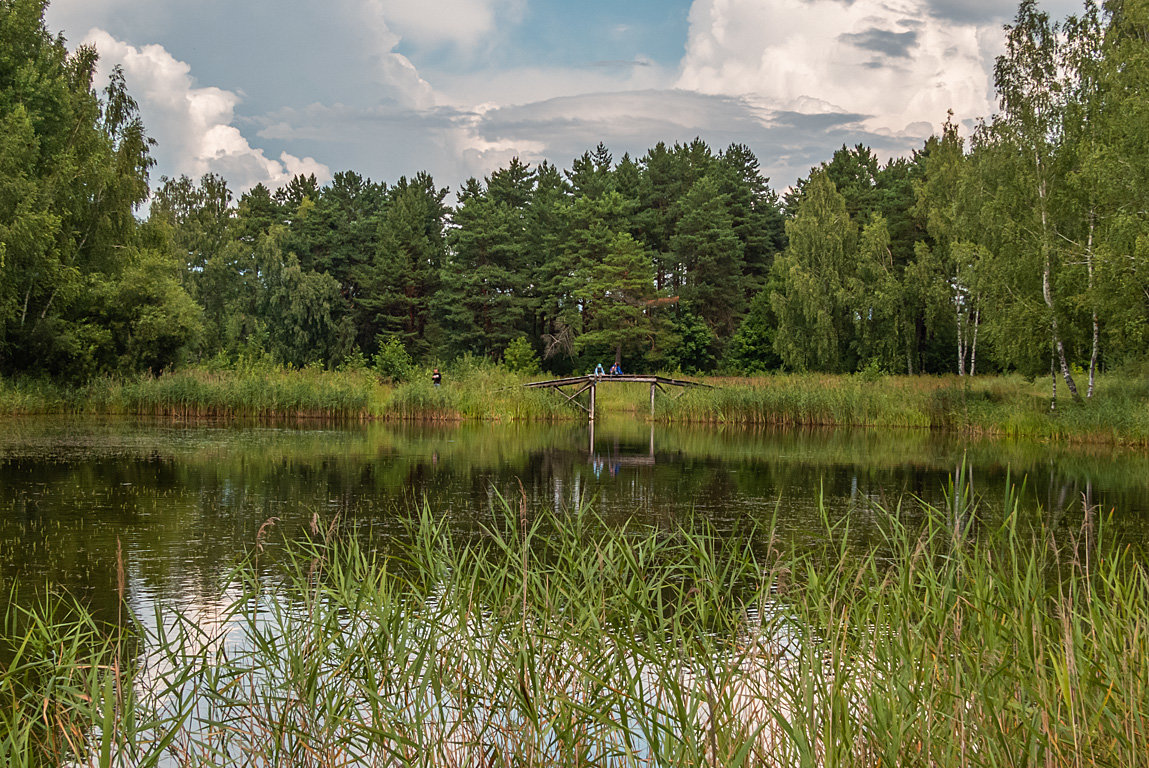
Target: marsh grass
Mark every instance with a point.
(266, 391)
(960, 639)
(473, 390)
(992, 405)
(254, 392)
(1006, 406)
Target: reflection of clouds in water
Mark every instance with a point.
(451, 685)
(188, 501)
(203, 622)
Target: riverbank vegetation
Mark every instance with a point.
(997, 406)
(1013, 244)
(962, 636)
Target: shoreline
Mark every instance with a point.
(989, 406)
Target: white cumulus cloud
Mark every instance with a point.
(194, 126)
(371, 25)
(891, 60)
(463, 23)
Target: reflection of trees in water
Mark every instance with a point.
(185, 509)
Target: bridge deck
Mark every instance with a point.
(590, 383)
(625, 377)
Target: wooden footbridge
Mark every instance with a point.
(589, 383)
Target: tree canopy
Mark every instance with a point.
(1020, 245)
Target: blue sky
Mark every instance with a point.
(598, 31)
(258, 90)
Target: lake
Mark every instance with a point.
(182, 503)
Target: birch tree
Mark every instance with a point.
(814, 322)
(1031, 92)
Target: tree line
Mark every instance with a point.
(1024, 247)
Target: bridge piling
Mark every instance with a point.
(590, 382)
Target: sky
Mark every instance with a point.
(260, 90)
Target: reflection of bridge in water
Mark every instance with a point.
(590, 382)
(613, 460)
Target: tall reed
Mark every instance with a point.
(968, 636)
(986, 405)
(478, 390)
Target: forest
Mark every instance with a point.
(1019, 245)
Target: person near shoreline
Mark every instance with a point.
(436, 377)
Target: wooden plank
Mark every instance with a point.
(620, 378)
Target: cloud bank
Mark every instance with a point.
(390, 87)
(194, 127)
(892, 60)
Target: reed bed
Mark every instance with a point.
(265, 391)
(966, 637)
(473, 391)
(805, 400)
(255, 392)
(1005, 406)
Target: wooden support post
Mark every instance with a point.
(592, 387)
(652, 386)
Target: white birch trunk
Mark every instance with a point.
(1046, 288)
(973, 349)
(960, 341)
(1096, 325)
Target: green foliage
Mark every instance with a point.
(752, 348)
(710, 257)
(875, 299)
(810, 278)
(63, 242)
(520, 357)
(355, 361)
(392, 362)
(1028, 243)
(155, 323)
(620, 306)
(696, 346)
(549, 624)
(485, 301)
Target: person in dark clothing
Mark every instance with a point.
(436, 377)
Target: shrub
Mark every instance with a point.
(520, 357)
(392, 362)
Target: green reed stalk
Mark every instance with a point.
(478, 390)
(966, 636)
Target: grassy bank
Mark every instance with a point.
(270, 392)
(992, 405)
(556, 640)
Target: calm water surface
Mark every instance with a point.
(184, 502)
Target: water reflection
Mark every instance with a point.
(185, 501)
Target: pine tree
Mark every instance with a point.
(709, 257)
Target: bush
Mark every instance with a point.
(392, 362)
(520, 357)
(355, 361)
